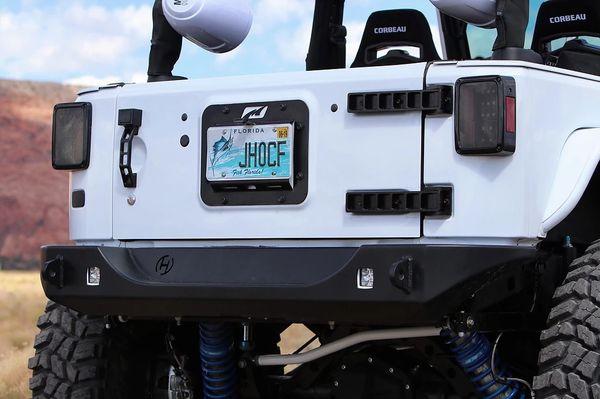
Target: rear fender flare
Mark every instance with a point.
(578, 161)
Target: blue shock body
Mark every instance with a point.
(473, 352)
(217, 357)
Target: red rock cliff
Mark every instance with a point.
(33, 196)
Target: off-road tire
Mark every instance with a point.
(76, 357)
(569, 359)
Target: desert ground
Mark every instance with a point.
(21, 302)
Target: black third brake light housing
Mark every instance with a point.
(485, 122)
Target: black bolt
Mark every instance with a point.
(184, 140)
(282, 199)
(299, 176)
(283, 107)
(299, 126)
(225, 201)
(184, 117)
(334, 108)
(226, 110)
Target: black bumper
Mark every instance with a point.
(413, 284)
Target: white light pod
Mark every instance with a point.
(476, 12)
(218, 26)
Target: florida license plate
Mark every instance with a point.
(257, 153)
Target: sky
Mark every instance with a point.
(94, 42)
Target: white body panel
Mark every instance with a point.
(513, 199)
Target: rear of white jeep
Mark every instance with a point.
(405, 214)
(372, 199)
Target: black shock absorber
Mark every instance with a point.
(217, 357)
(473, 352)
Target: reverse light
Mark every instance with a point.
(366, 278)
(71, 132)
(485, 122)
(93, 276)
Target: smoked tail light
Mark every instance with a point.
(486, 116)
(71, 133)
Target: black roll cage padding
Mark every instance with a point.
(327, 48)
(455, 38)
(166, 45)
(511, 22)
(546, 30)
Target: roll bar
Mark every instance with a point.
(328, 41)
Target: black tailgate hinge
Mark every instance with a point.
(432, 201)
(435, 100)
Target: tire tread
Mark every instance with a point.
(570, 356)
(71, 357)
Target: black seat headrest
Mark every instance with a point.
(395, 28)
(565, 18)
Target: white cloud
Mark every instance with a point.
(95, 81)
(355, 33)
(290, 20)
(139, 77)
(224, 58)
(294, 47)
(67, 38)
(91, 81)
(276, 15)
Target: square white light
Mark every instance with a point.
(93, 276)
(365, 278)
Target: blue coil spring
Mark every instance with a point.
(473, 352)
(217, 358)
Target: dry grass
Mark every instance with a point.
(21, 302)
(293, 338)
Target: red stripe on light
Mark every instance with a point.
(510, 115)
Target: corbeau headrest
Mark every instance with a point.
(565, 18)
(396, 28)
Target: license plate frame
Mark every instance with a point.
(290, 189)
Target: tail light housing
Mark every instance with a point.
(486, 116)
(71, 133)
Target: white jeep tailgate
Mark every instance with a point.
(346, 152)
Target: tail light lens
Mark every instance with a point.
(71, 132)
(486, 121)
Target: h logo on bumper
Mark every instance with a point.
(164, 265)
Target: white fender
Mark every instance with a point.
(579, 159)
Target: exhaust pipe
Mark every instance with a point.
(345, 343)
